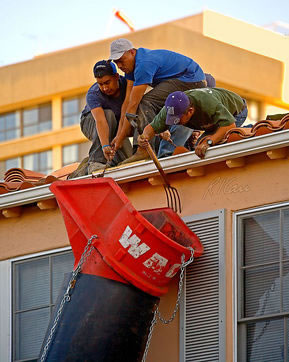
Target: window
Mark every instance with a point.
(40, 162)
(75, 152)
(203, 308)
(70, 154)
(25, 122)
(12, 162)
(263, 279)
(36, 284)
(71, 110)
(37, 119)
(9, 126)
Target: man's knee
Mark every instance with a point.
(110, 117)
(87, 126)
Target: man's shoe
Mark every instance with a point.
(141, 154)
(81, 169)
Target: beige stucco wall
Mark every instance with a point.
(257, 183)
(251, 37)
(70, 71)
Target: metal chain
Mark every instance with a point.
(157, 314)
(67, 295)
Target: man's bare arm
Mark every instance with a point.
(129, 87)
(147, 135)
(136, 95)
(102, 131)
(216, 137)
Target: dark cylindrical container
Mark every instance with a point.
(105, 321)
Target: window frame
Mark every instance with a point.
(236, 254)
(6, 299)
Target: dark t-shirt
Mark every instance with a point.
(95, 98)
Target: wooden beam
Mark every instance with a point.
(196, 171)
(47, 204)
(155, 181)
(236, 162)
(12, 212)
(277, 154)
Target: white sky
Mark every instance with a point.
(30, 27)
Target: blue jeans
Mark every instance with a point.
(241, 117)
(179, 135)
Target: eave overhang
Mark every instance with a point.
(143, 170)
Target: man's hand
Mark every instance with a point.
(108, 152)
(201, 149)
(116, 143)
(142, 141)
(166, 135)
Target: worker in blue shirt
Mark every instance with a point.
(100, 119)
(163, 70)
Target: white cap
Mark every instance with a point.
(119, 47)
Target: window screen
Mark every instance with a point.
(202, 315)
(263, 280)
(36, 283)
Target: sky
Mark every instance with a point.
(33, 27)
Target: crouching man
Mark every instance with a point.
(100, 119)
(212, 110)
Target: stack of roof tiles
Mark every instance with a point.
(19, 179)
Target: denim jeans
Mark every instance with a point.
(179, 135)
(241, 117)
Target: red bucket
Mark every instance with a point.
(144, 248)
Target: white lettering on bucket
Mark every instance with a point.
(173, 270)
(156, 262)
(133, 241)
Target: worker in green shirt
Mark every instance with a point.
(213, 110)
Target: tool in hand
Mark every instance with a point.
(173, 198)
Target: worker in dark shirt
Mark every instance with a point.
(212, 110)
(100, 118)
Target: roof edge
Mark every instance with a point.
(171, 164)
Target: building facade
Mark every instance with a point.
(234, 305)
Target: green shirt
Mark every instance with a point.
(214, 107)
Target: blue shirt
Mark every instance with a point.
(155, 66)
(95, 98)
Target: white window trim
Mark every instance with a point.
(235, 264)
(6, 300)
